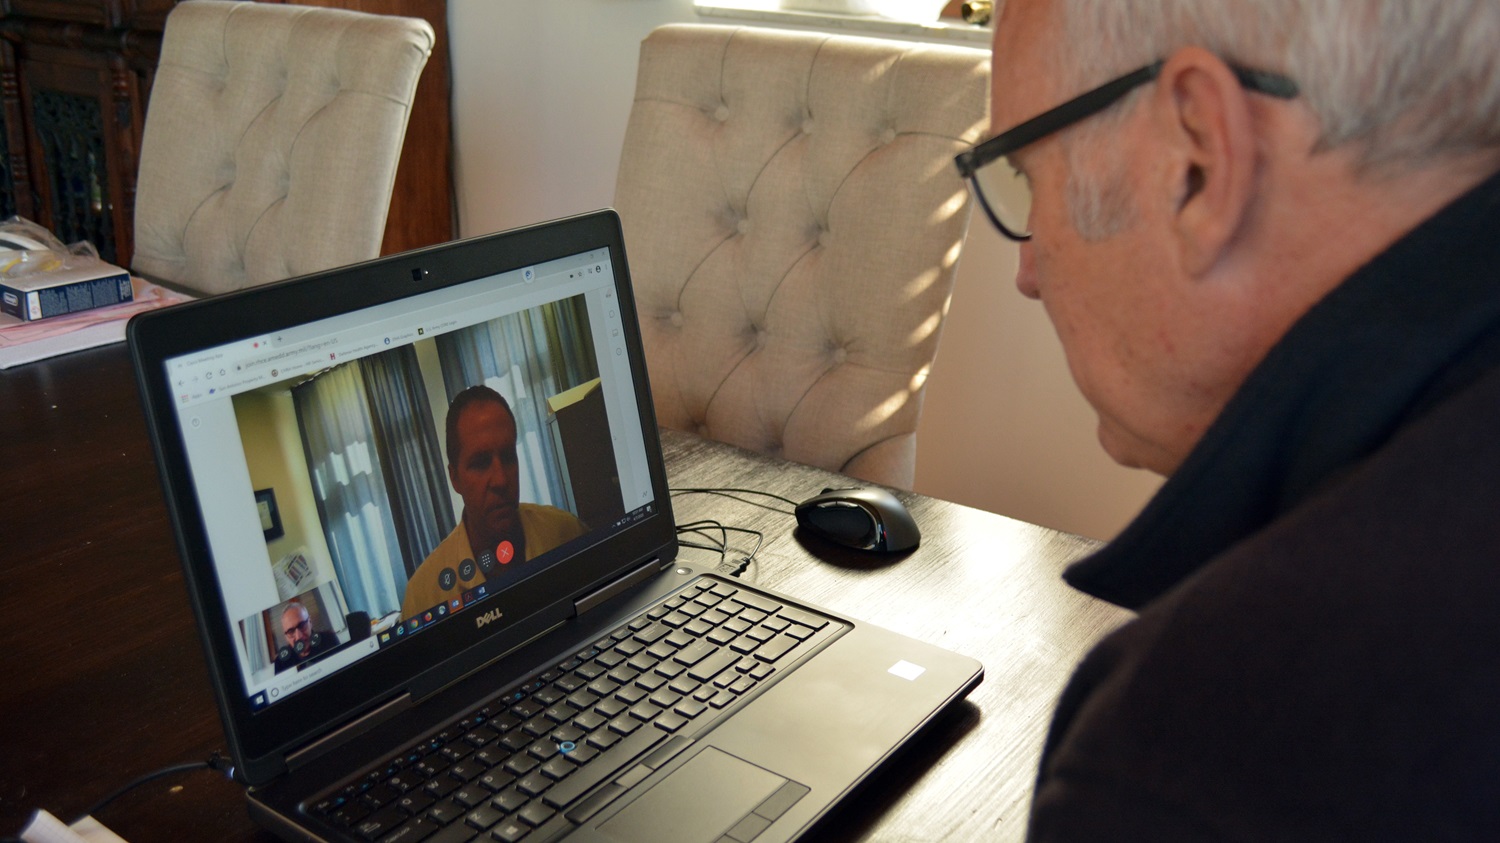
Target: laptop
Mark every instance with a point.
(428, 539)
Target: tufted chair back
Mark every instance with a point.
(794, 220)
(271, 141)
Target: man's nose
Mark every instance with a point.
(1026, 280)
(498, 477)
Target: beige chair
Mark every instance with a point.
(271, 141)
(793, 220)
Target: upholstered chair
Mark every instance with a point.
(793, 220)
(271, 141)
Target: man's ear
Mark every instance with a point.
(1206, 115)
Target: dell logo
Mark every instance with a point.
(488, 617)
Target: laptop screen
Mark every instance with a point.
(366, 478)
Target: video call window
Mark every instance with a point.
(365, 489)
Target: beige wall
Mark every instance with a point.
(273, 452)
(541, 93)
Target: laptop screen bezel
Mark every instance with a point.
(259, 740)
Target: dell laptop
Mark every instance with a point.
(426, 530)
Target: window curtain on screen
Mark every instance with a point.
(258, 641)
(409, 452)
(339, 437)
(526, 357)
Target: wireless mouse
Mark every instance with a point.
(864, 519)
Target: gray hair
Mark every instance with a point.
(1409, 82)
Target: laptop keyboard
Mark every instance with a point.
(515, 768)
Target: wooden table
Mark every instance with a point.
(102, 677)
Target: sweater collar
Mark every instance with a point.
(1336, 386)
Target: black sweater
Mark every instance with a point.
(1317, 654)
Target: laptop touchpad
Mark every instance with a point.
(713, 795)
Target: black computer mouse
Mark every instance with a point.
(864, 519)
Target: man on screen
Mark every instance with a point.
(496, 530)
(302, 641)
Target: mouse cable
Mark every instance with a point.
(722, 543)
(700, 528)
(215, 762)
(730, 493)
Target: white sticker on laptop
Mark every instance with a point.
(906, 670)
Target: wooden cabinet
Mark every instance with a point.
(75, 78)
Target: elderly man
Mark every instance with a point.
(302, 641)
(497, 533)
(1269, 248)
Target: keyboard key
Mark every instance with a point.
(645, 712)
(542, 750)
(710, 667)
(520, 764)
(776, 624)
(624, 725)
(624, 674)
(670, 722)
(509, 800)
(665, 699)
(603, 739)
(757, 601)
(446, 811)
(694, 653)
(412, 831)
(483, 817)
(471, 795)
(558, 768)
(510, 831)
(535, 813)
(379, 824)
(414, 803)
(800, 632)
(534, 784)
(590, 720)
(582, 754)
(465, 770)
(653, 633)
(806, 619)
(776, 648)
(496, 780)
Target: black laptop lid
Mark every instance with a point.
(338, 553)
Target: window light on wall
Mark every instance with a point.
(911, 10)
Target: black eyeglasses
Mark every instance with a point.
(1005, 194)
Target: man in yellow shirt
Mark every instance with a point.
(497, 533)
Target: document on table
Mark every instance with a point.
(45, 828)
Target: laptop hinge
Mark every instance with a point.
(645, 572)
(348, 731)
